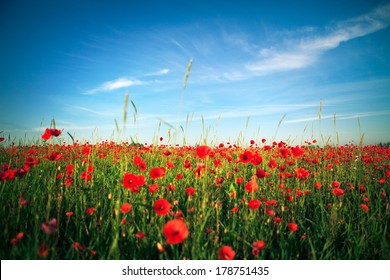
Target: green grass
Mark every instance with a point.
(330, 226)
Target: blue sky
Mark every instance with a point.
(259, 59)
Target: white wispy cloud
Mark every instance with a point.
(300, 53)
(240, 41)
(114, 85)
(345, 116)
(94, 112)
(158, 73)
(237, 112)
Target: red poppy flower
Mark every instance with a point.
(49, 132)
(301, 173)
(257, 247)
(175, 231)
(90, 211)
(78, 247)
(217, 162)
(284, 152)
(8, 175)
(137, 160)
(140, 235)
(152, 188)
(240, 180)
(190, 191)
(226, 253)
(162, 207)
(336, 184)
(364, 207)
(87, 151)
(259, 244)
(260, 173)
(23, 201)
(299, 192)
(126, 207)
(289, 198)
(203, 151)
(69, 169)
(171, 187)
(133, 182)
(272, 164)
(43, 250)
(199, 171)
(292, 227)
(277, 220)
(338, 191)
(85, 176)
(157, 172)
(49, 227)
(130, 182)
(317, 185)
(187, 164)
(30, 161)
(271, 202)
(19, 236)
(251, 186)
(46, 135)
(142, 166)
(254, 204)
(297, 151)
(54, 156)
(246, 157)
(68, 181)
(270, 212)
(256, 159)
(55, 132)
(14, 241)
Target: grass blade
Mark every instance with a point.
(135, 111)
(71, 137)
(167, 123)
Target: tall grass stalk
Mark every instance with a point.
(278, 126)
(186, 75)
(125, 105)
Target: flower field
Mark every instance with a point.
(263, 201)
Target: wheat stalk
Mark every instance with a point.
(116, 126)
(186, 74)
(125, 110)
(182, 95)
